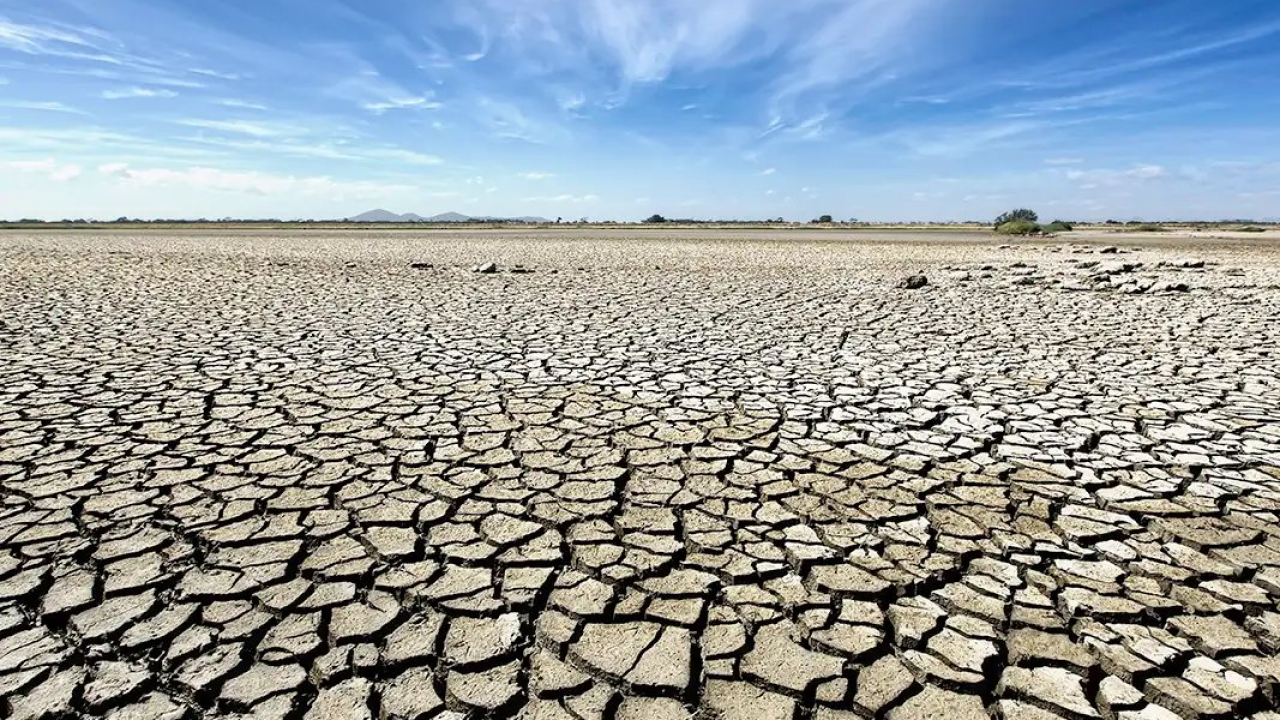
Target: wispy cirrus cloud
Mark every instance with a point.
(138, 92)
(238, 127)
(239, 104)
(563, 198)
(42, 105)
(72, 43)
(217, 74)
(610, 47)
(317, 149)
(47, 39)
(50, 168)
(246, 182)
(1139, 174)
(401, 103)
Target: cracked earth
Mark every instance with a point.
(656, 476)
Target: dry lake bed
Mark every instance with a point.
(660, 474)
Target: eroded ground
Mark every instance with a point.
(664, 475)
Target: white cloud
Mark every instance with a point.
(927, 100)
(242, 104)
(401, 103)
(537, 175)
(214, 74)
(1063, 161)
(566, 198)
(46, 106)
(863, 42)
(247, 182)
(35, 40)
(768, 171)
(50, 168)
(365, 86)
(507, 120)
(138, 92)
(627, 43)
(962, 139)
(407, 156)
(649, 40)
(1140, 174)
(240, 127)
(572, 102)
(55, 40)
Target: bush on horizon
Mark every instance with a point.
(1058, 226)
(1019, 215)
(1019, 227)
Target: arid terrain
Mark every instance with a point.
(658, 474)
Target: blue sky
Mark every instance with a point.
(875, 109)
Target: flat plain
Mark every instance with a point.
(656, 474)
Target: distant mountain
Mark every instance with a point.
(386, 216)
(449, 217)
(378, 216)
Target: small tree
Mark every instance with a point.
(824, 219)
(655, 218)
(1019, 227)
(1019, 215)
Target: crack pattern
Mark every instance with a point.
(298, 477)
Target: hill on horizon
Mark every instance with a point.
(386, 216)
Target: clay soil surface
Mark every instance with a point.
(639, 475)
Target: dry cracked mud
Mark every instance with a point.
(658, 475)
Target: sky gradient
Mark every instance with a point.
(617, 109)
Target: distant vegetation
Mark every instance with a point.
(1139, 226)
(1026, 222)
(1019, 215)
(1019, 222)
(1019, 227)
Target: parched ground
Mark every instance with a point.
(662, 475)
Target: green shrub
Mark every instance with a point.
(1058, 226)
(1148, 227)
(1019, 215)
(1252, 229)
(1019, 227)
